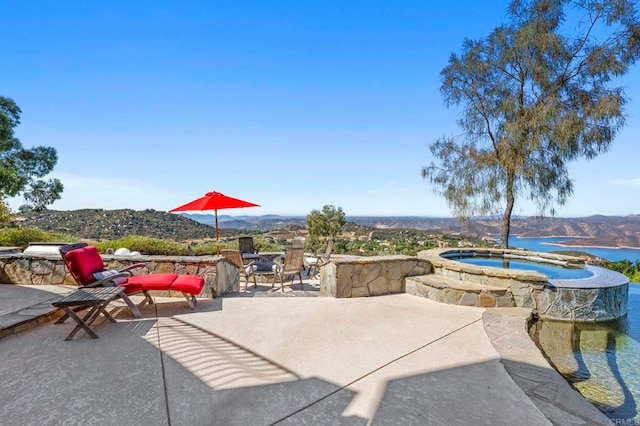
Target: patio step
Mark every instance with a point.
(23, 307)
(457, 292)
(27, 318)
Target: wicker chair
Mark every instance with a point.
(293, 264)
(234, 257)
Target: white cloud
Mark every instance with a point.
(626, 182)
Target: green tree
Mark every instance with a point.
(22, 170)
(327, 223)
(535, 94)
(5, 214)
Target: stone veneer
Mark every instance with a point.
(39, 269)
(345, 276)
(583, 304)
(353, 276)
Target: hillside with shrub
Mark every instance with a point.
(155, 232)
(159, 233)
(101, 225)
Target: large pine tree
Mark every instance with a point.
(536, 94)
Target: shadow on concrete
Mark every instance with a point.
(475, 394)
(213, 380)
(168, 306)
(107, 381)
(163, 370)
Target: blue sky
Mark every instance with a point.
(292, 105)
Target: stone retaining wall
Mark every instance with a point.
(346, 276)
(369, 276)
(353, 276)
(219, 276)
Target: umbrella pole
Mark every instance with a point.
(217, 236)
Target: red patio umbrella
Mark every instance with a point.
(214, 201)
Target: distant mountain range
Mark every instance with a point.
(611, 231)
(597, 230)
(255, 223)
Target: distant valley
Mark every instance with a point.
(597, 230)
(605, 231)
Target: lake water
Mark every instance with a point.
(600, 360)
(542, 244)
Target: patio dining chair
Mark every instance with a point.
(247, 249)
(234, 257)
(317, 261)
(297, 242)
(293, 264)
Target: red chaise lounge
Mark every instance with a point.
(87, 268)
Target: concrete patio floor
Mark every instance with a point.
(248, 360)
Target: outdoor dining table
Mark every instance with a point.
(95, 297)
(249, 257)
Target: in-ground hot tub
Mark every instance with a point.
(551, 270)
(554, 286)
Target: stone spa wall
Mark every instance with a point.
(601, 297)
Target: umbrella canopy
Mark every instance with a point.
(214, 201)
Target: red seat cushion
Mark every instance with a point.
(82, 264)
(153, 281)
(190, 284)
(130, 288)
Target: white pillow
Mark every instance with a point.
(108, 272)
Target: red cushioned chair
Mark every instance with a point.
(87, 268)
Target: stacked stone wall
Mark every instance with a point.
(218, 275)
(602, 297)
(369, 276)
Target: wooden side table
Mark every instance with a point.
(95, 297)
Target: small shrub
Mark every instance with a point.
(145, 245)
(206, 248)
(209, 247)
(21, 237)
(263, 245)
(630, 269)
